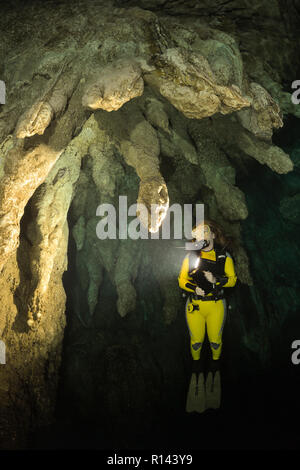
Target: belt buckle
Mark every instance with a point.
(190, 308)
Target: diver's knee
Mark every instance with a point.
(196, 346)
(215, 346)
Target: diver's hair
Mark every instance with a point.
(221, 239)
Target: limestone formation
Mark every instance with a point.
(24, 171)
(263, 115)
(121, 98)
(38, 117)
(220, 177)
(187, 81)
(115, 85)
(265, 153)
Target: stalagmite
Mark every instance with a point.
(164, 106)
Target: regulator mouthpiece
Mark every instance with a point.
(197, 245)
(200, 244)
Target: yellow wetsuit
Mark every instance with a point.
(210, 313)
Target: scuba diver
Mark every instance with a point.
(206, 270)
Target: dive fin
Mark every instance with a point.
(200, 398)
(196, 395)
(213, 390)
(191, 396)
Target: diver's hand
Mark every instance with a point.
(199, 291)
(209, 276)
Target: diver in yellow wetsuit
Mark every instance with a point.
(206, 306)
(205, 272)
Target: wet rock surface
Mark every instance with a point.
(166, 103)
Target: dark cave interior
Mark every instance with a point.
(259, 383)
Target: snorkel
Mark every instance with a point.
(200, 244)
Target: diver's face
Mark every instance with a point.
(203, 232)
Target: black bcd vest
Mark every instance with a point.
(215, 267)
